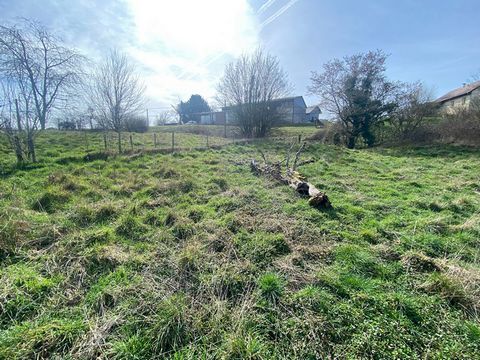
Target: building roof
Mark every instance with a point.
(461, 91)
(313, 108)
(284, 99)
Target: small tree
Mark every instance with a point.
(116, 93)
(356, 90)
(248, 87)
(165, 117)
(190, 110)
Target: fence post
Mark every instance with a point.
(207, 141)
(105, 140)
(154, 139)
(173, 141)
(131, 142)
(299, 138)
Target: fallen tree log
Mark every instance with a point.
(294, 179)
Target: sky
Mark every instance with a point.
(181, 47)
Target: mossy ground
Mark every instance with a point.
(190, 256)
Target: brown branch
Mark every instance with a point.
(297, 156)
(292, 178)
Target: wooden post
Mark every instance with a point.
(173, 141)
(207, 141)
(105, 140)
(154, 139)
(299, 138)
(131, 142)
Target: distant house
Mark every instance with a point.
(290, 110)
(212, 118)
(460, 98)
(312, 113)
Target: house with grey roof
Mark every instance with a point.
(312, 113)
(460, 98)
(290, 110)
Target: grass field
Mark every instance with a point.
(56, 145)
(191, 256)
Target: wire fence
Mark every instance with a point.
(161, 138)
(57, 144)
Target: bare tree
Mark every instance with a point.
(7, 126)
(165, 117)
(356, 90)
(17, 119)
(47, 68)
(414, 104)
(248, 87)
(116, 93)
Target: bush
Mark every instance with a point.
(136, 124)
(457, 129)
(271, 286)
(461, 128)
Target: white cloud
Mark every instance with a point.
(181, 46)
(278, 13)
(265, 6)
(184, 44)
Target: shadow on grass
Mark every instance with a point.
(10, 170)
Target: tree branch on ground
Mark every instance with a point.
(289, 176)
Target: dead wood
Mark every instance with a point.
(292, 178)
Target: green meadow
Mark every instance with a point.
(188, 255)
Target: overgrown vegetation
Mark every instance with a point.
(189, 255)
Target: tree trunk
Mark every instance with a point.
(369, 137)
(18, 149)
(296, 181)
(31, 149)
(19, 122)
(351, 142)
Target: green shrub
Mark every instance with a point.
(170, 325)
(242, 346)
(271, 287)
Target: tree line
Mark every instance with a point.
(41, 76)
(355, 90)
